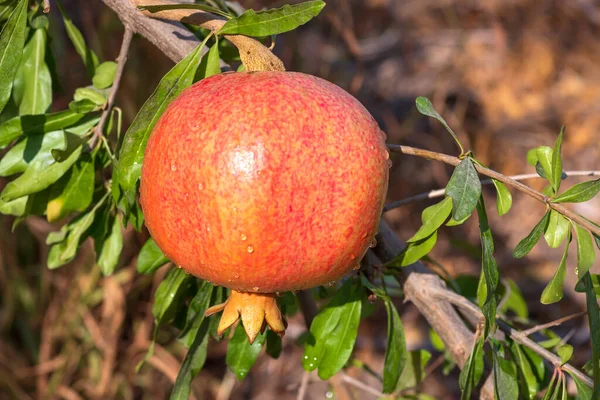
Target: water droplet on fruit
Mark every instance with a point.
(179, 266)
(255, 288)
(236, 276)
(352, 256)
(387, 155)
(187, 272)
(373, 243)
(173, 167)
(331, 283)
(208, 229)
(356, 267)
(250, 249)
(243, 237)
(200, 186)
(235, 209)
(365, 234)
(372, 147)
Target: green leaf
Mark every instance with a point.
(583, 391)
(209, 65)
(552, 390)
(529, 381)
(35, 96)
(274, 344)
(544, 156)
(272, 22)
(554, 290)
(12, 40)
(433, 217)
(38, 177)
(91, 94)
(70, 144)
(414, 371)
(105, 75)
(15, 207)
(83, 106)
(585, 251)
(557, 229)
(565, 352)
(109, 249)
(579, 193)
(593, 311)
(505, 378)
(169, 295)
(66, 242)
(73, 191)
(557, 161)
(395, 354)
(465, 188)
(192, 363)
(425, 107)
(514, 300)
(503, 197)
(90, 60)
(333, 332)
(195, 312)
(525, 245)
(580, 287)
(489, 268)
(150, 258)
(131, 156)
(472, 370)
(414, 252)
(241, 355)
(36, 124)
(202, 7)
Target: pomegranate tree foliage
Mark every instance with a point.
(66, 167)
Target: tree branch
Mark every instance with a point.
(432, 194)
(542, 198)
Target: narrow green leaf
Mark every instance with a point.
(414, 371)
(544, 155)
(70, 144)
(554, 290)
(150, 258)
(503, 197)
(557, 161)
(105, 75)
(465, 188)
(109, 250)
(131, 156)
(472, 370)
(333, 332)
(36, 124)
(552, 390)
(241, 355)
(169, 294)
(274, 344)
(83, 106)
(453, 222)
(35, 96)
(209, 65)
(529, 381)
(73, 191)
(433, 217)
(583, 391)
(505, 379)
(90, 60)
(192, 363)
(513, 300)
(579, 193)
(195, 312)
(425, 107)
(395, 354)
(38, 177)
(414, 252)
(489, 268)
(15, 207)
(525, 245)
(593, 311)
(187, 6)
(565, 352)
(557, 229)
(12, 40)
(585, 251)
(274, 21)
(90, 93)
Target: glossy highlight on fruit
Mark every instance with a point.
(264, 182)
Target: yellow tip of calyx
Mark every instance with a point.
(256, 311)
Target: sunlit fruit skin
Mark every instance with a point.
(265, 181)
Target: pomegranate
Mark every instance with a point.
(264, 182)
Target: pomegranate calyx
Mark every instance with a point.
(255, 310)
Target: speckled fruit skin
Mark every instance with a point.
(265, 181)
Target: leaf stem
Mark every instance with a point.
(542, 198)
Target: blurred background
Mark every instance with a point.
(506, 74)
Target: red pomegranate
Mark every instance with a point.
(264, 182)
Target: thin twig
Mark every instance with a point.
(46, 6)
(537, 328)
(432, 155)
(121, 61)
(440, 192)
(361, 385)
(303, 386)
